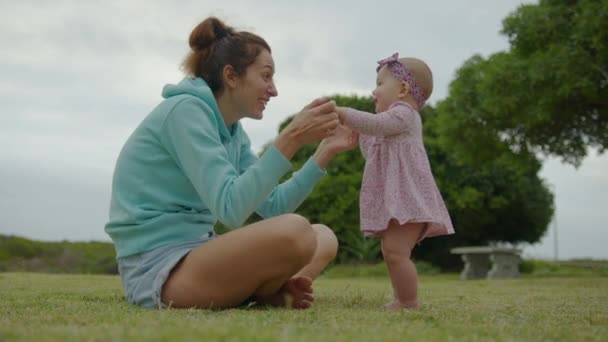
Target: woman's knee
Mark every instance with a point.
(327, 242)
(297, 236)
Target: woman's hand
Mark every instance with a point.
(342, 139)
(314, 122)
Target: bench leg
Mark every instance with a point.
(476, 266)
(504, 266)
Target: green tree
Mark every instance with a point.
(335, 200)
(500, 200)
(548, 92)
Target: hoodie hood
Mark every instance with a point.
(197, 87)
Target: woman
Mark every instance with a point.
(190, 164)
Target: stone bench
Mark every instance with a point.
(504, 262)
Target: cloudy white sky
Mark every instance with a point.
(76, 77)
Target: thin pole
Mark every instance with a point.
(555, 244)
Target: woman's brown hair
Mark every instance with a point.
(214, 45)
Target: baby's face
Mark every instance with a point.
(387, 90)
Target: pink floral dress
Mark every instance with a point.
(397, 180)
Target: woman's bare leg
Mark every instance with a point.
(327, 249)
(257, 260)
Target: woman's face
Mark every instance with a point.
(256, 87)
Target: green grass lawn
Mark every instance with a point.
(37, 307)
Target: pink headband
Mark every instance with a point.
(400, 71)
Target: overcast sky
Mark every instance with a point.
(76, 77)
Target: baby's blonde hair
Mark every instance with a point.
(422, 73)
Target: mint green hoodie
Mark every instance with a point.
(182, 170)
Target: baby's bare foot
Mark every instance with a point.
(396, 305)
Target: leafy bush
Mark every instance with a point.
(20, 254)
(374, 270)
(571, 268)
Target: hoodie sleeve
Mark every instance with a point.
(190, 134)
(287, 196)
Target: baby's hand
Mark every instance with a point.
(341, 111)
(342, 139)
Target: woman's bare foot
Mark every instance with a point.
(396, 305)
(296, 293)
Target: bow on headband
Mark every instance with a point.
(400, 71)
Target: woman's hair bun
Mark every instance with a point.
(208, 32)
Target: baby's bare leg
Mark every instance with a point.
(397, 244)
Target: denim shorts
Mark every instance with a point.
(143, 275)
